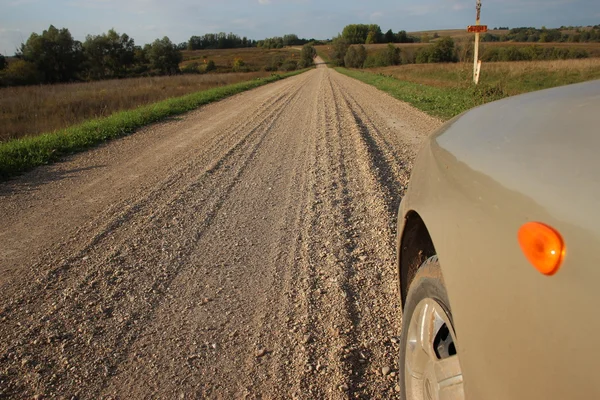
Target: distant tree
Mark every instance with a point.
(271, 43)
(436, 35)
(291, 40)
(220, 40)
(3, 62)
(403, 37)
(488, 37)
(371, 39)
(20, 72)
(392, 55)
(425, 38)
(389, 37)
(55, 54)
(164, 56)
(339, 46)
(307, 56)
(443, 50)
(108, 55)
(182, 46)
(355, 56)
(360, 33)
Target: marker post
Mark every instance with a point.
(477, 29)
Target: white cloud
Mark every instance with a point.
(376, 15)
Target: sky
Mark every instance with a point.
(146, 20)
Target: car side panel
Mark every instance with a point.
(521, 335)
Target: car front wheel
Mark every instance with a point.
(429, 364)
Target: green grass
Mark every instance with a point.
(446, 90)
(20, 155)
(514, 77)
(441, 102)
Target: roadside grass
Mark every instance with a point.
(19, 155)
(440, 102)
(445, 90)
(31, 110)
(513, 77)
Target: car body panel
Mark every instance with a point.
(476, 181)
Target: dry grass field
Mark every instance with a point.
(511, 77)
(27, 111)
(255, 59)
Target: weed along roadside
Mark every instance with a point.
(20, 155)
(443, 103)
(445, 90)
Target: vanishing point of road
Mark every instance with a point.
(244, 250)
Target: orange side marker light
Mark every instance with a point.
(543, 246)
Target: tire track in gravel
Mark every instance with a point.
(87, 259)
(244, 251)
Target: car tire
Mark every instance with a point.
(427, 340)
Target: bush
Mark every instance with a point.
(274, 63)
(210, 66)
(376, 60)
(307, 56)
(193, 68)
(289, 65)
(485, 93)
(3, 62)
(355, 57)
(392, 55)
(340, 48)
(20, 72)
(239, 65)
(384, 58)
(531, 53)
(441, 52)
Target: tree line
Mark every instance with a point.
(279, 42)
(371, 34)
(55, 56)
(543, 35)
(348, 49)
(219, 41)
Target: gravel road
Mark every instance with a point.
(245, 250)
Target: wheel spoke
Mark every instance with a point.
(449, 378)
(429, 324)
(430, 372)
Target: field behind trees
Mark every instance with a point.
(253, 59)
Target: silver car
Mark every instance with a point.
(497, 240)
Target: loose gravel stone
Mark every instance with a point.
(160, 263)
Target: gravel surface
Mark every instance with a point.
(245, 250)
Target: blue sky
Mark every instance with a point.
(146, 20)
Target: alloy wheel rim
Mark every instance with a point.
(431, 364)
